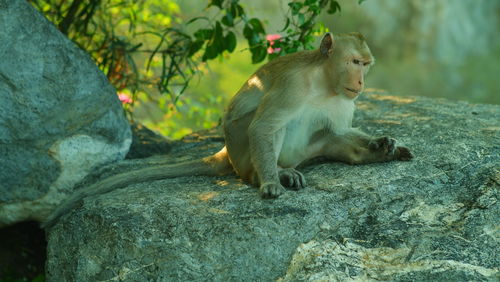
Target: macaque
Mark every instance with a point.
(294, 108)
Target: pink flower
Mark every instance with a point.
(124, 98)
(271, 38)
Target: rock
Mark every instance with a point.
(59, 117)
(433, 218)
(346, 261)
(147, 143)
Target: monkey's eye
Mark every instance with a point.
(365, 64)
(356, 62)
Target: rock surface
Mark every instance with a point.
(431, 219)
(59, 117)
(147, 143)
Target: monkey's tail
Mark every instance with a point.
(217, 164)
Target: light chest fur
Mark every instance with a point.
(333, 114)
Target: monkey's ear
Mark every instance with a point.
(326, 47)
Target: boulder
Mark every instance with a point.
(59, 116)
(431, 219)
(147, 143)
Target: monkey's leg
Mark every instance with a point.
(264, 154)
(356, 147)
(266, 133)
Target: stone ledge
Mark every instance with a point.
(438, 210)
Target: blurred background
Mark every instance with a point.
(434, 48)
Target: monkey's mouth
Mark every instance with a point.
(352, 90)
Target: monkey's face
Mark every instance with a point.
(350, 59)
(354, 62)
(353, 77)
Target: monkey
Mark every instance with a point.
(292, 109)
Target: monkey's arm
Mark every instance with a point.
(357, 147)
(266, 133)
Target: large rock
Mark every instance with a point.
(434, 218)
(59, 117)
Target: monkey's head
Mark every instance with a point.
(348, 60)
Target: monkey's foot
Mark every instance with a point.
(271, 190)
(387, 146)
(383, 144)
(292, 178)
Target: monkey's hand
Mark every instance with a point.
(387, 146)
(292, 178)
(271, 190)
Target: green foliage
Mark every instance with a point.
(133, 42)
(203, 104)
(146, 50)
(301, 25)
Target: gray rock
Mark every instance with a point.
(147, 143)
(434, 218)
(328, 260)
(59, 117)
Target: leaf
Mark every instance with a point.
(230, 42)
(237, 10)
(195, 19)
(286, 24)
(216, 44)
(314, 9)
(218, 29)
(361, 1)
(257, 25)
(195, 47)
(210, 52)
(217, 3)
(334, 7)
(204, 34)
(218, 39)
(258, 54)
(247, 31)
(295, 6)
(228, 19)
(250, 34)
